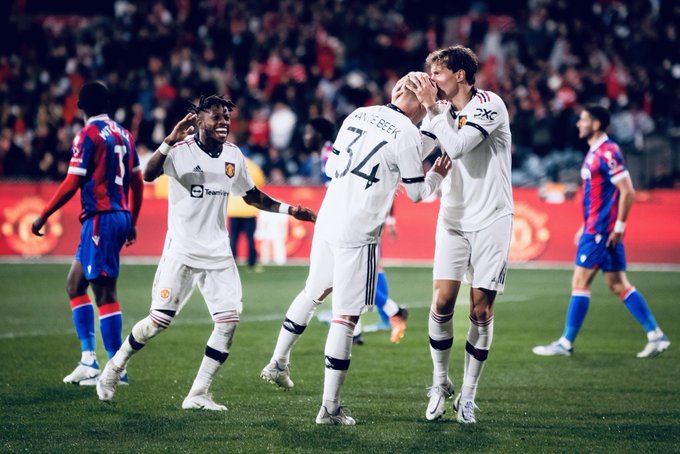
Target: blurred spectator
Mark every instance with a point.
(286, 62)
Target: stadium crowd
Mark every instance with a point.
(284, 62)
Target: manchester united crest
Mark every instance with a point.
(229, 169)
(461, 121)
(15, 225)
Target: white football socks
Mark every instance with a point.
(480, 335)
(440, 330)
(338, 352)
(299, 313)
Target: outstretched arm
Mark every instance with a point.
(262, 201)
(66, 190)
(154, 168)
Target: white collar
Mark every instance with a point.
(99, 117)
(599, 142)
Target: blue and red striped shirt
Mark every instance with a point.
(105, 154)
(602, 168)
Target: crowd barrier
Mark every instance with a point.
(543, 232)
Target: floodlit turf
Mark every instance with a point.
(601, 399)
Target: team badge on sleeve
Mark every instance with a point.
(229, 169)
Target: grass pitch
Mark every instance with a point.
(602, 399)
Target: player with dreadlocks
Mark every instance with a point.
(203, 169)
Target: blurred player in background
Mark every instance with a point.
(318, 139)
(475, 217)
(203, 170)
(377, 148)
(105, 167)
(608, 195)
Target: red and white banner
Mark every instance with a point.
(543, 232)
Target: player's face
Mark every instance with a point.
(214, 124)
(585, 125)
(446, 80)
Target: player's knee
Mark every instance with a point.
(159, 320)
(481, 313)
(618, 288)
(444, 299)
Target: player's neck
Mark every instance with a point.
(597, 135)
(211, 147)
(464, 95)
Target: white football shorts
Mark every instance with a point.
(175, 282)
(479, 259)
(351, 271)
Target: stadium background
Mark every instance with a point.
(285, 62)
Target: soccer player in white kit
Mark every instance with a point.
(475, 217)
(203, 170)
(377, 148)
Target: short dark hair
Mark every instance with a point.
(456, 58)
(93, 98)
(205, 103)
(324, 127)
(600, 114)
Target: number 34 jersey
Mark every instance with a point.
(376, 148)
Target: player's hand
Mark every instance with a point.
(392, 233)
(302, 214)
(182, 129)
(37, 225)
(442, 165)
(614, 239)
(424, 88)
(132, 237)
(577, 235)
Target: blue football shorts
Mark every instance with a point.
(593, 253)
(101, 238)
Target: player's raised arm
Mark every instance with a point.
(263, 201)
(183, 128)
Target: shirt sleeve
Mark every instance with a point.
(429, 144)
(486, 118)
(82, 153)
(243, 182)
(169, 164)
(613, 165)
(342, 142)
(418, 185)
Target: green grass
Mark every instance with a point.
(601, 399)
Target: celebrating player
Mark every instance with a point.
(104, 166)
(608, 195)
(376, 148)
(203, 169)
(475, 217)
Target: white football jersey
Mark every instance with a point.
(376, 148)
(197, 202)
(478, 190)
